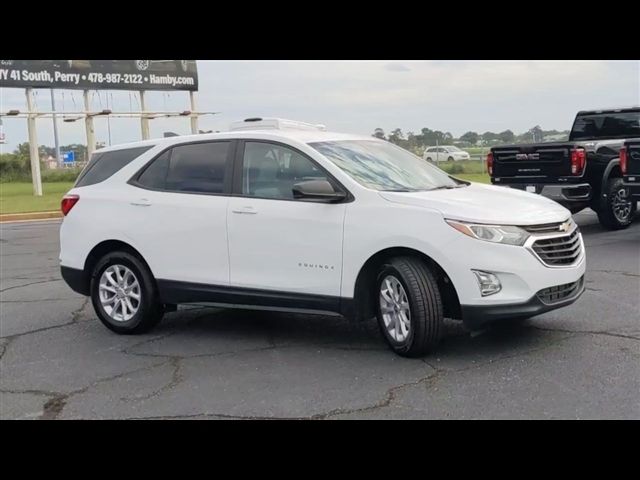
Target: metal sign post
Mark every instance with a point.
(88, 122)
(144, 119)
(194, 118)
(55, 127)
(33, 146)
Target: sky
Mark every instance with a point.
(357, 97)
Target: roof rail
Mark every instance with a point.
(257, 123)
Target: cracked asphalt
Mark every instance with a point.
(58, 362)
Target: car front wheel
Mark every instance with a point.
(124, 294)
(410, 312)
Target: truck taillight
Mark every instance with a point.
(623, 160)
(578, 161)
(490, 163)
(68, 201)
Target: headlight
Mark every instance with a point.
(506, 234)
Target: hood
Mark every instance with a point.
(485, 204)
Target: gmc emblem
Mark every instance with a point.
(527, 156)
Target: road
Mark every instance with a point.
(58, 362)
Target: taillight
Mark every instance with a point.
(490, 163)
(578, 161)
(68, 201)
(623, 160)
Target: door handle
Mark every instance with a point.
(143, 202)
(244, 211)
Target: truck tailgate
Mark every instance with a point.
(632, 176)
(532, 161)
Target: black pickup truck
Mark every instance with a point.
(630, 166)
(582, 172)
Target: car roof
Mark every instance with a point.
(301, 136)
(609, 110)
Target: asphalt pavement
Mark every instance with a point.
(59, 362)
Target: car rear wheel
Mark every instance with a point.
(124, 294)
(450, 159)
(429, 159)
(410, 313)
(617, 209)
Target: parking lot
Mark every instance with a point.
(59, 362)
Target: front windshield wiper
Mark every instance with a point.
(447, 187)
(401, 190)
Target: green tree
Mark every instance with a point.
(396, 136)
(507, 136)
(536, 134)
(379, 133)
(471, 137)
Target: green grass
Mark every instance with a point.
(474, 177)
(18, 197)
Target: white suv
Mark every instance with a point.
(283, 215)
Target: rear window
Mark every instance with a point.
(595, 126)
(192, 168)
(103, 165)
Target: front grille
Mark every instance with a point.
(558, 251)
(545, 228)
(559, 293)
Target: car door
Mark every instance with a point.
(179, 207)
(276, 242)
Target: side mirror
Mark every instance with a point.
(317, 190)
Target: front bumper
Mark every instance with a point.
(478, 316)
(561, 193)
(76, 279)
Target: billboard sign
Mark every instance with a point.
(100, 74)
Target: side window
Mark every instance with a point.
(271, 171)
(103, 165)
(430, 149)
(194, 168)
(155, 175)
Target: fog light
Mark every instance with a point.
(488, 282)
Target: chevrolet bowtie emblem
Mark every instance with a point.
(564, 227)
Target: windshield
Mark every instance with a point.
(606, 125)
(453, 149)
(383, 166)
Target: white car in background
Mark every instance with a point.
(445, 153)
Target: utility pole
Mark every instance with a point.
(144, 119)
(55, 128)
(33, 146)
(194, 118)
(88, 123)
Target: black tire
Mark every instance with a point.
(429, 159)
(425, 306)
(150, 310)
(450, 159)
(609, 209)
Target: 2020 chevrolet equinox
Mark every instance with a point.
(285, 215)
